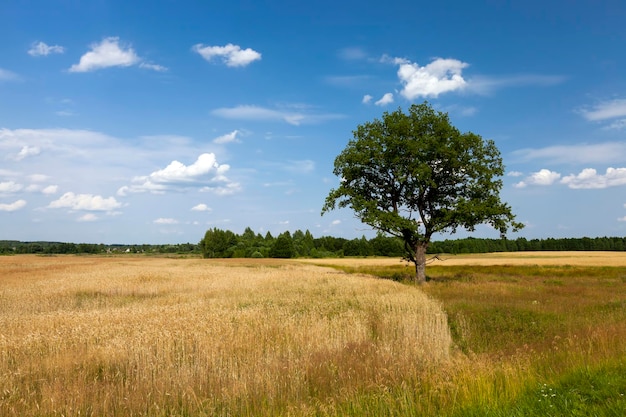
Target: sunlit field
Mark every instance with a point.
(488, 335)
(152, 336)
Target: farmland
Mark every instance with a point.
(492, 334)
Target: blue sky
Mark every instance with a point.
(152, 121)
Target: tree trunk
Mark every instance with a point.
(420, 262)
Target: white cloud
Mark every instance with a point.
(608, 152)
(336, 222)
(542, 177)
(232, 55)
(50, 189)
(13, 206)
(201, 207)
(515, 174)
(27, 151)
(246, 112)
(367, 99)
(614, 110)
(86, 202)
(165, 221)
(178, 175)
(257, 113)
(42, 49)
(228, 189)
(438, 77)
(606, 110)
(107, 53)
(8, 187)
(589, 178)
(88, 217)
(227, 138)
(153, 67)
(384, 100)
(622, 219)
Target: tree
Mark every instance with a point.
(218, 243)
(283, 246)
(413, 175)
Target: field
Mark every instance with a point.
(488, 335)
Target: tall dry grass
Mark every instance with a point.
(151, 337)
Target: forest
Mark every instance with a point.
(218, 243)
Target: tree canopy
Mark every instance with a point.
(413, 175)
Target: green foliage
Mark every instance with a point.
(413, 175)
(358, 247)
(585, 391)
(283, 247)
(218, 243)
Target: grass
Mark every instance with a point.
(530, 326)
(141, 336)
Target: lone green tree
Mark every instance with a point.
(413, 175)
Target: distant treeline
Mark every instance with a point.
(60, 248)
(219, 243)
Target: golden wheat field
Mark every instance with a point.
(131, 336)
(572, 258)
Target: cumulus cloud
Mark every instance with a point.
(384, 100)
(9, 187)
(177, 175)
(110, 53)
(86, 202)
(542, 177)
(231, 55)
(589, 178)
(163, 220)
(438, 77)
(227, 138)
(296, 115)
(367, 99)
(16, 205)
(107, 53)
(201, 207)
(42, 49)
(50, 189)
